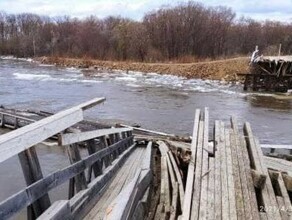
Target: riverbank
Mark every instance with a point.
(225, 70)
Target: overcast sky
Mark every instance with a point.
(258, 9)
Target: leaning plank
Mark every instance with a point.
(58, 210)
(23, 138)
(91, 103)
(178, 177)
(120, 207)
(66, 139)
(257, 162)
(198, 175)
(186, 210)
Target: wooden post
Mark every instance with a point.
(74, 156)
(91, 147)
(32, 172)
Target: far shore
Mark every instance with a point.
(229, 70)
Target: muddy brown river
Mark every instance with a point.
(164, 103)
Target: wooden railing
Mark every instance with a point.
(107, 150)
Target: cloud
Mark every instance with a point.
(135, 9)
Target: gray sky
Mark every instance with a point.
(261, 9)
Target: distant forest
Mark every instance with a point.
(183, 33)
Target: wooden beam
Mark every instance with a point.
(203, 210)
(91, 103)
(23, 138)
(72, 138)
(186, 206)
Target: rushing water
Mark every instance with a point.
(165, 103)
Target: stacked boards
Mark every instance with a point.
(229, 178)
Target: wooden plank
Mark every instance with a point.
(23, 138)
(250, 187)
(286, 207)
(248, 191)
(148, 131)
(175, 192)
(203, 208)
(186, 210)
(288, 181)
(178, 178)
(211, 189)
(59, 210)
(230, 174)
(82, 202)
(238, 177)
(224, 181)
(91, 103)
(256, 155)
(120, 207)
(278, 164)
(198, 174)
(66, 139)
(32, 173)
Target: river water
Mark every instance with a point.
(164, 103)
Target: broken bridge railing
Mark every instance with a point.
(107, 150)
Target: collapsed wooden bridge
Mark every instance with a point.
(133, 173)
(269, 73)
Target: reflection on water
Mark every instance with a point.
(270, 102)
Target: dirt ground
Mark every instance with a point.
(227, 69)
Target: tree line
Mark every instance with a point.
(186, 32)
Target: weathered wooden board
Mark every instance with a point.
(59, 210)
(198, 174)
(23, 138)
(66, 139)
(186, 208)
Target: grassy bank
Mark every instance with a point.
(227, 69)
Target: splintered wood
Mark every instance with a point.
(229, 178)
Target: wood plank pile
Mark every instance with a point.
(228, 179)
